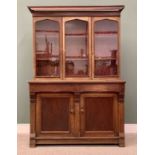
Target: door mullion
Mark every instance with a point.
(82, 116)
(77, 114)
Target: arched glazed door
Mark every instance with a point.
(105, 47)
(47, 48)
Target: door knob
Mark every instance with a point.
(71, 110)
(82, 110)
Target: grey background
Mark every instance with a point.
(128, 52)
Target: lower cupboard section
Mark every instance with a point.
(77, 118)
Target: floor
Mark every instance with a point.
(130, 149)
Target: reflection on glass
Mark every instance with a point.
(47, 48)
(76, 44)
(106, 45)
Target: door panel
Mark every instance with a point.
(94, 112)
(55, 115)
(98, 114)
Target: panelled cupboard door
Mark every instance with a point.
(54, 114)
(77, 47)
(99, 115)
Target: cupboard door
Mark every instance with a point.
(105, 46)
(98, 114)
(47, 47)
(77, 47)
(55, 114)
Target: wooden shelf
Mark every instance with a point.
(50, 76)
(104, 58)
(106, 75)
(106, 32)
(55, 56)
(42, 53)
(76, 34)
(48, 31)
(47, 58)
(76, 75)
(76, 58)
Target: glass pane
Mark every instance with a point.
(76, 44)
(47, 48)
(106, 45)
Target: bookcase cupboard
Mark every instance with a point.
(76, 95)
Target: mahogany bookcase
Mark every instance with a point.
(76, 95)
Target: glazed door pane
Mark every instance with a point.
(76, 48)
(47, 33)
(105, 48)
